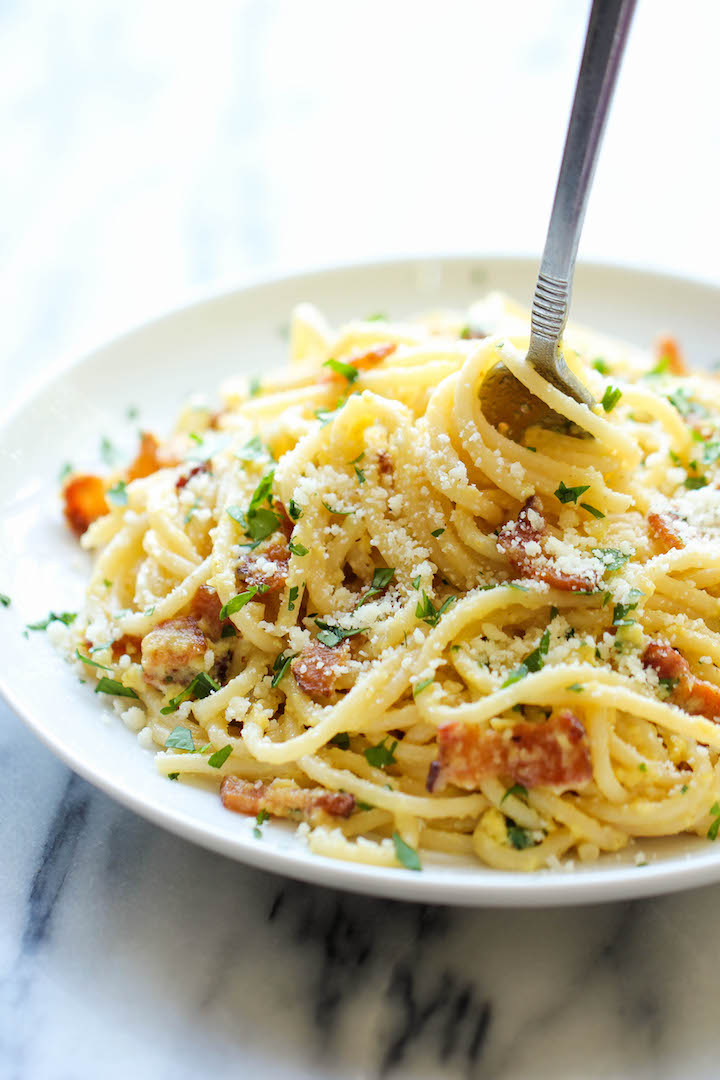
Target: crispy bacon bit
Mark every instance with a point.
(668, 349)
(696, 696)
(125, 644)
(520, 541)
(663, 529)
(205, 608)
(372, 357)
(555, 754)
(284, 798)
(174, 651)
(84, 498)
(150, 457)
(268, 567)
(385, 465)
(316, 668)
(181, 481)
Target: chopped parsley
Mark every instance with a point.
(566, 494)
(379, 316)
(325, 416)
(294, 593)
(238, 602)
(610, 398)
(5, 599)
(346, 370)
(180, 738)
(532, 662)
(201, 686)
(668, 684)
(381, 579)
(91, 663)
(280, 666)
(423, 685)
(427, 611)
(713, 830)
(601, 365)
(338, 513)
(258, 521)
(380, 756)
(519, 837)
(228, 631)
(592, 510)
(66, 617)
(254, 387)
(416, 582)
(112, 686)
(341, 740)
(173, 775)
(220, 757)
(262, 817)
(693, 483)
(684, 405)
(516, 789)
(621, 611)
(512, 585)
(611, 558)
(294, 510)
(576, 687)
(360, 475)
(406, 855)
(437, 532)
(333, 635)
(118, 494)
(297, 549)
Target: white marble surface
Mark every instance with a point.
(153, 149)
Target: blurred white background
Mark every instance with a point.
(151, 149)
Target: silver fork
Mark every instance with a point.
(504, 398)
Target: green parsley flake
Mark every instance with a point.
(694, 483)
(294, 510)
(253, 450)
(333, 635)
(437, 532)
(360, 475)
(254, 387)
(338, 513)
(201, 687)
(611, 558)
(519, 837)
(118, 494)
(297, 549)
(180, 738)
(238, 602)
(5, 599)
(173, 775)
(601, 365)
(260, 820)
(405, 854)
(280, 666)
(66, 617)
(220, 757)
(713, 830)
(427, 611)
(341, 740)
(346, 370)
(294, 593)
(592, 510)
(567, 495)
(516, 789)
(380, 756)
(112, 686)
(381, 579)
(423, 685)
(91, 663)
(610, 398)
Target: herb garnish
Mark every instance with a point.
(254, 387)
(180, 738)
(347, 370)
(91, 663)
(610, 398)
(519, 837)
(294, 510)
(201, 686)
(437, 532)
(5, 599)
(406, 855)
(566, 494)
(338, 513)
(66, 617)
(238, 602)
(261, 818)
(253, 450)
(592, 510)
(423, 685)
(611, 558)
(532, 662)
(694, 483)
(258, 521)
(220, 757)
(118, 494)
(713, 830)
(112, 686)
(280, 666)
(516, 789)
(601, 365)
(381, 579)
(297, 549)
(380, 756)
(294, 593)
(360, 475)
(341, 740)
(427, 611)
(333, 635)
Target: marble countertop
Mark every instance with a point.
(150, 151)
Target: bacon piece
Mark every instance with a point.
(150, 457)
(663, 529)
(268, 567)
(555, 754)
(316, 668)
(514, 539)
(84, 499)
(125, 644)
(174, 651)
(205, 608)
(284, 798)
(668, 349)
(181, 481)
(696, 696)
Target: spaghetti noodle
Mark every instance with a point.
(356, 604)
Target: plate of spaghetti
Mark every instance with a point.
(271, 578)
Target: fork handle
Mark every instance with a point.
(607, 32)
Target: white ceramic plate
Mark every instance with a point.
(156, 368)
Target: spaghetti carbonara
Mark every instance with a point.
(355, 603)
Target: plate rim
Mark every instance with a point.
(502, 889)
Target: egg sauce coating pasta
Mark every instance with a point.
(356, 604)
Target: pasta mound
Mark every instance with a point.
(356, 604)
